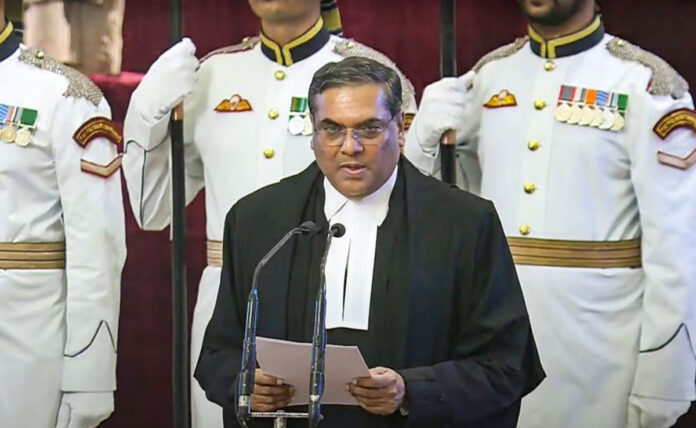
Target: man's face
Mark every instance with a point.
(356, 167)
(283, 10)
(550, 12)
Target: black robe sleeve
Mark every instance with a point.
(494, 359)
(220, 359)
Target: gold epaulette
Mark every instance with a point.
(501, 52)
(79, 85)
(347, 48)
(246, 44)
(665, 79)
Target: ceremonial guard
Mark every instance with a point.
(62, 243)
(246, 125)
(586, 144)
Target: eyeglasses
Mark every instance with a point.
(333, 135)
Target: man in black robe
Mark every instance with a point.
(447, 336)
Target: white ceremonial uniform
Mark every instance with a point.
(246, 125)
(559, 135)
(62, 242)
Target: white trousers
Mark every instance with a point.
(32, 340)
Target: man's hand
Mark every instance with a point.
(84, 409)
(270, 393)
(382, 393)
(443, 106)
(168, 81)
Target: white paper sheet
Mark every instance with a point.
(291, 362)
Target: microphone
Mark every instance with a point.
(245, 380)
(316, 381)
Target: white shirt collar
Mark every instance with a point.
(377, 202)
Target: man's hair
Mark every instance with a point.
(354, 71)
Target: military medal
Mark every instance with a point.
(586, 116)
(589, 97)
(5, 134)
(11, 116)
(563, 109)
(575, 114)
(600, 102)
(23, 137)
(298, 108)
(597, 118)
(591, 107)
(576, 109)
(620, 114)
(8, 134)
(563, 112)
(607, 119)
(619, 122)
(296, 125)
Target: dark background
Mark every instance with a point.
(405, 30)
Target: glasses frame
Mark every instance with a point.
(355, 134)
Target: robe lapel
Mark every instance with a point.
(274, 280)
(426, 257)
(389, 297)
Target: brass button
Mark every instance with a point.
(268, 153)
(40, 54)
(539, 104)
(280, 75)
(350, 45)
(273, 114)
(525, 230)
(549, 65)
(620, 43)
(529, 187)
(533, 145)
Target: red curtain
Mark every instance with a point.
(407, 31)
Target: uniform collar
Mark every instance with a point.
(9, 42)
(571, 44)
(298, 49)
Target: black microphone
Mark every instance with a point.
(316, 381)
(245, 380)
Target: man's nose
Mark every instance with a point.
(351, 145)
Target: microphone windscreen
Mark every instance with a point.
(338, 230)
(309, 228)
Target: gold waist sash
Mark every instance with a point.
(32, 255)
(214, 250)
(585, 254)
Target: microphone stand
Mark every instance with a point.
(316, 382)
(245, 380)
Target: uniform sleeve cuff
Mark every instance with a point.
(93, 369)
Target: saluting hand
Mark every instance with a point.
(382, 393)
(270, 393)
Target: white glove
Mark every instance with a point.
(442, 107)
(168, 81)
(644, 412)
(84, 409)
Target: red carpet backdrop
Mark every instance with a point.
(407, 31)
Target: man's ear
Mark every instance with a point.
(402, 129)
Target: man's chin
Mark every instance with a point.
(536, 10)
(351, 188)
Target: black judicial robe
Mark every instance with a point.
(446, 309)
